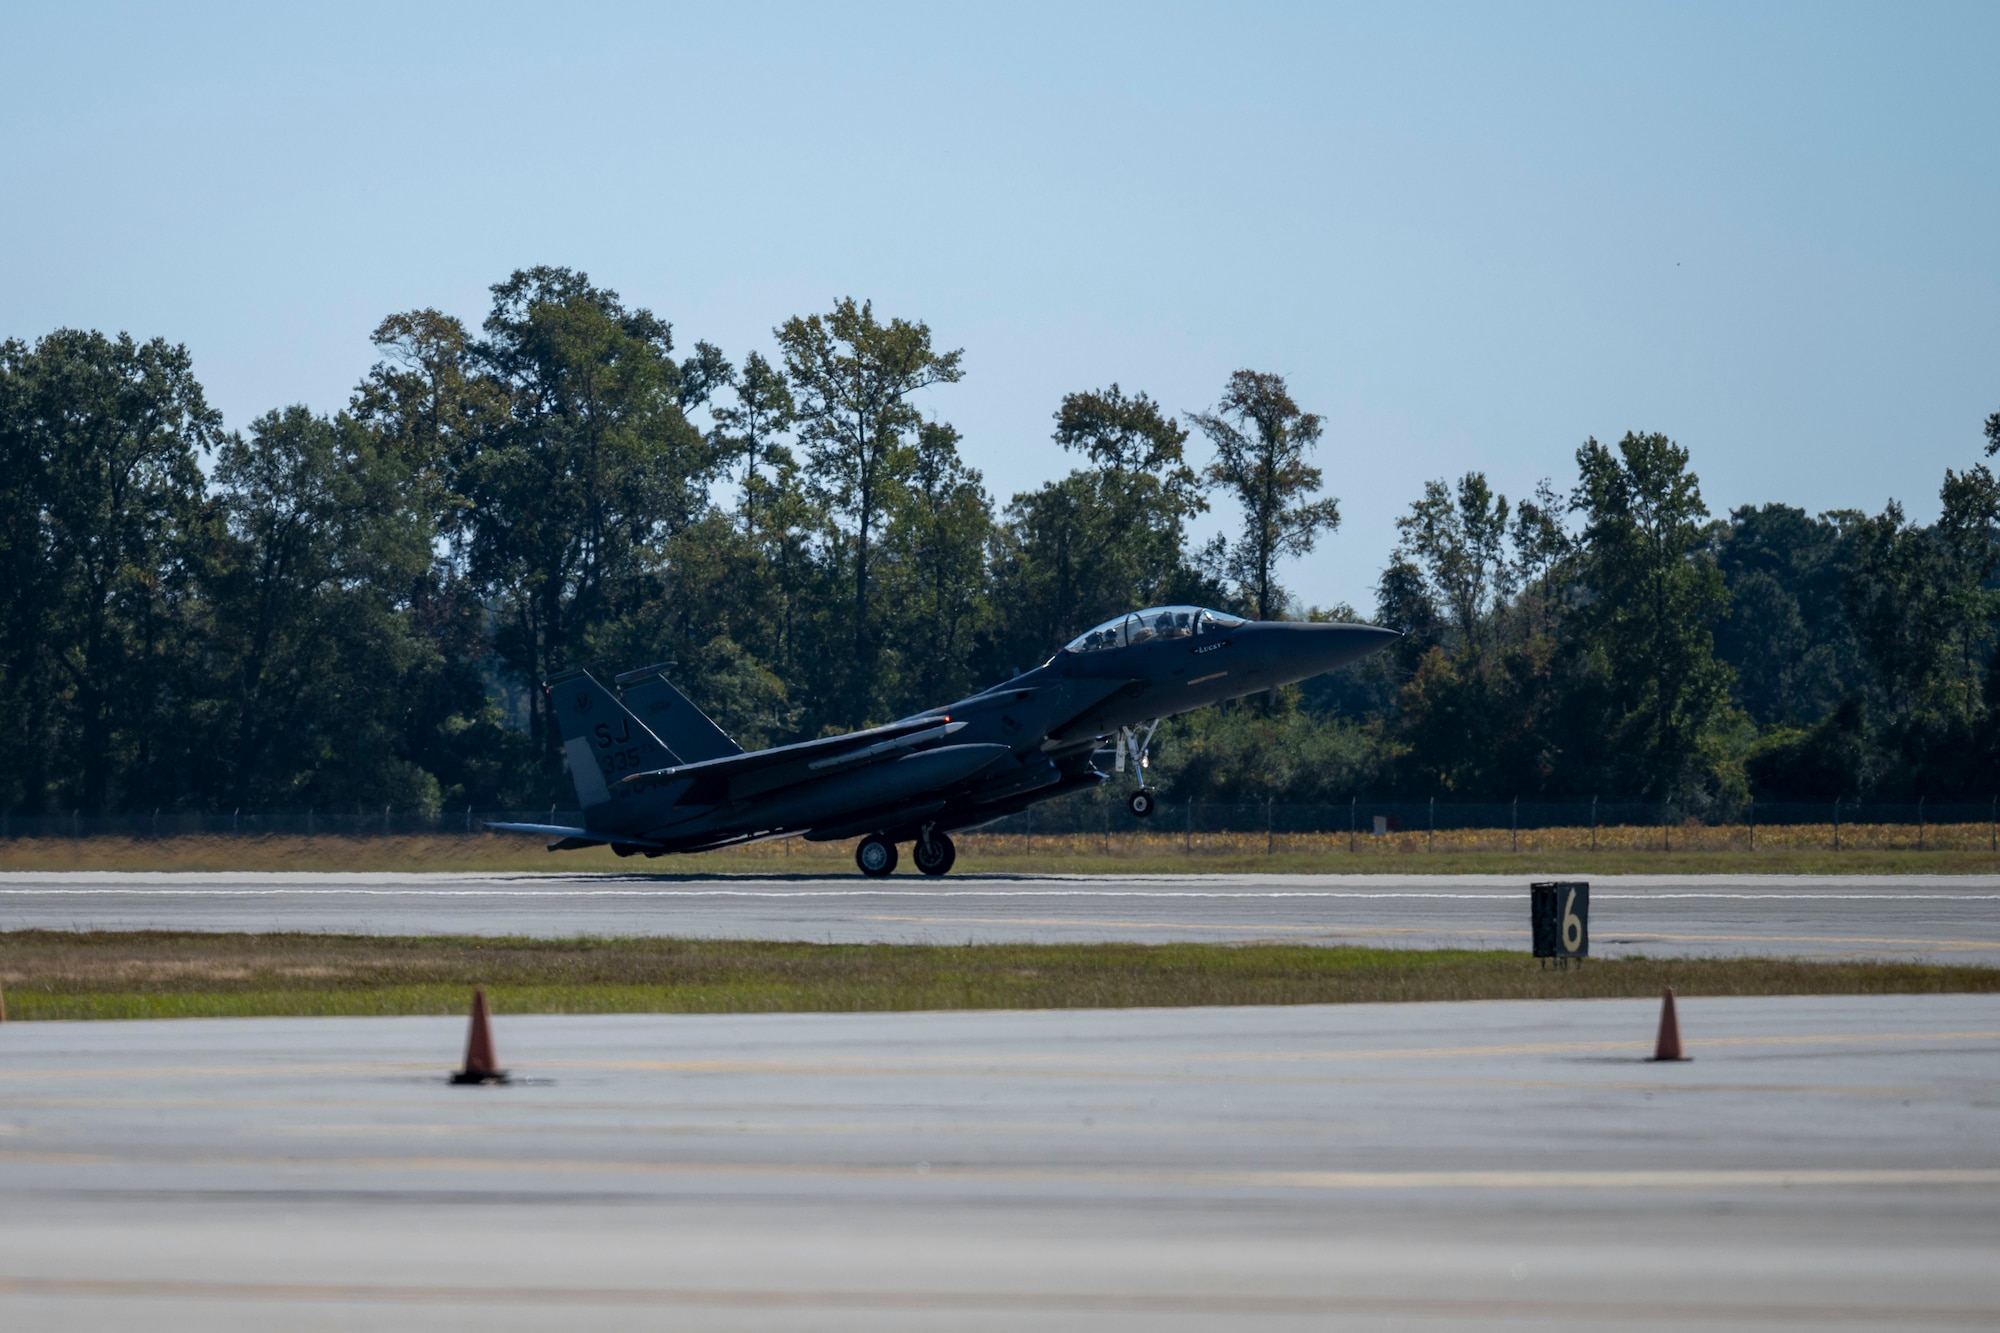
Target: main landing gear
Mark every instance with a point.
(933, 853)
(876, 856)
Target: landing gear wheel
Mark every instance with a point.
(934, 855)
(1142, 803)
(876, 856)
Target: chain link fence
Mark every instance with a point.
(1449, 826)
(1358, 825)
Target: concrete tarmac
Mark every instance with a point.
(1827, 1162)
(1940, 918)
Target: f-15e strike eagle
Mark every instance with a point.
(654, 775)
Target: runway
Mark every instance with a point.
(1941, 918)
(1824, 1161)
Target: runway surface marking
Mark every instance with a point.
(1642, 935)
(1493, 895)
(1261, 928)
(1014, 1301)
(1672, 1179)
(1625, 936)
(1345, 1080)
(1016, 1065)
(1073, 1066)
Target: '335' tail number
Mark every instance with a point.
(615, 754)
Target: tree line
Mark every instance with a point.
(355, 609)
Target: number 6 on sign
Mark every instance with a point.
(1560, 915)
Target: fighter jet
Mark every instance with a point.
(654, 775)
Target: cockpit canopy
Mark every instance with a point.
(1156, 622)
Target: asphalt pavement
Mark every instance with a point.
(1941, 918)
(1825, 1162)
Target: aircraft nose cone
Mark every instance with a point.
(1300, 650)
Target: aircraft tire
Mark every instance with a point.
(1142, 803)
(876, 856)
(936, 856)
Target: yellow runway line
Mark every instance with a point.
(960, 1064)
(1013, 1065)
(224, 1071)
(1334, 928)
(1694, 1178)
(1120, 925)
(1478, 1310)
(1641, 935)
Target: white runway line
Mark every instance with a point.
(1606, 895)
(1947, 918)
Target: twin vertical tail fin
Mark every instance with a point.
(667, 713)
(602, 738)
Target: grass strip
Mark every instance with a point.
(160, 974)
(1462, 852)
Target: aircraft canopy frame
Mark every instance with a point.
(1151, 625)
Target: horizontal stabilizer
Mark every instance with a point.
(583, 835)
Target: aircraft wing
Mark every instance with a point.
(1091, 698)
(814, 757)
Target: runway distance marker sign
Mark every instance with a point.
(1559, 916)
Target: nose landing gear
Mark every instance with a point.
(1134, 746)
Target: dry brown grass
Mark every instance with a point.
(62, 975)
(1688, 849)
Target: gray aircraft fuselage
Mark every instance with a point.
(1029, 739)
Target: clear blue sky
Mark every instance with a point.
(1470, 236)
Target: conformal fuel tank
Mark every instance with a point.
(877, 784)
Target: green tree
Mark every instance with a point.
(1919, 605)
(430, 405)
(1787, 637)
(1829, 760)
(752, 428)
(311, 618)
(854, 377)
(798, 587)
(939, 533)
(702, 375)
(1458, 541)
(1653, 594)
(1482, 722)
(1262, 440)
(1105, 538)
(99, 484)
(593, 467)
(1284, 754)
(706, 603)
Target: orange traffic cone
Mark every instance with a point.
(1668, 1047)
(480, 1066)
